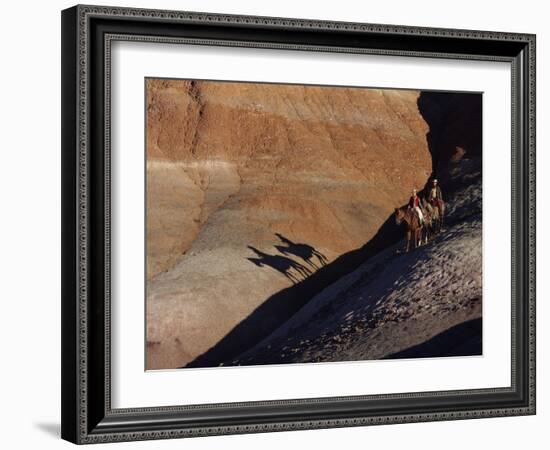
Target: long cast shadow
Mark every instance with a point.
(291, 269)
(312, 257)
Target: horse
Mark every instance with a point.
(413, 229)
(438, 206)
(431, 220)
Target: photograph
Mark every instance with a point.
(301, 223)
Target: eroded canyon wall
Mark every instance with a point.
(325, 162)
(231, 164)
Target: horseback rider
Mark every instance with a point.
(435, 199)
(435, 196)
(416, 205)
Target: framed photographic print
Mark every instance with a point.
(279, 224)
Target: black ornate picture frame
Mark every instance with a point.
(87, 34)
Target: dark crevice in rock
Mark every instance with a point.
(455, 134)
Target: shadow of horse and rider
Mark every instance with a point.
(310, 259)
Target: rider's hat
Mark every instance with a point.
(434, 180)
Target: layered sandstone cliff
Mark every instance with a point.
(235, 169)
